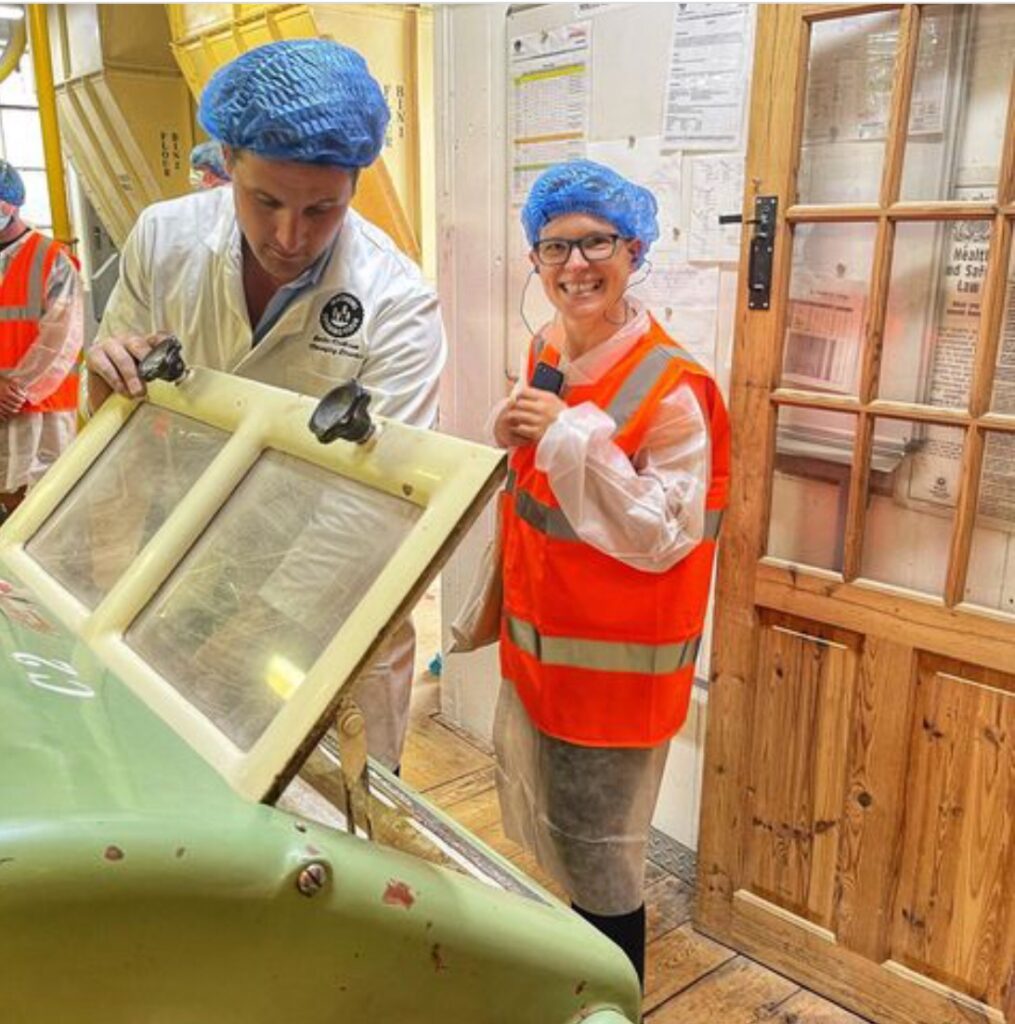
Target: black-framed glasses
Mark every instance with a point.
(554, 252)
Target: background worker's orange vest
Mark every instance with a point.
(22, 304)
(603, 654)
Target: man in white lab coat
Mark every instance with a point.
(276, 279)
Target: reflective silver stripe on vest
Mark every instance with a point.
(604, 655)
(545, 519)
(639, 383)
(713, 523)
(33, 309)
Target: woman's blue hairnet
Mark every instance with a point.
(310, 100)
(12, 188)
(581, 186)
(209, 155)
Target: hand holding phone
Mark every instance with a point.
(547, 378)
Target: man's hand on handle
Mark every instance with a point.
(112, 366)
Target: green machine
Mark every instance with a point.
(184, 600)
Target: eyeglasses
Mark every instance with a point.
(554, 252)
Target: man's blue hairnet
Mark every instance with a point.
(581, 186)
(310, 100)
(12, 188)
(209, 155)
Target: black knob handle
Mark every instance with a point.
(164, 362)
(342, 413)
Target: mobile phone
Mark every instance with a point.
(548, 378)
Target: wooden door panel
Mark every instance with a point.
(954, 905)
(806, 677)
(873, 811)
(858, 814)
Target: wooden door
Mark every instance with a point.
(858, 828)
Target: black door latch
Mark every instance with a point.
(759, 267)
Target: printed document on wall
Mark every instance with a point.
(717, 187)
(548, 101)
(706, 90)
(684, 300)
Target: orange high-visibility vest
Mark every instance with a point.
(602, 654)
(22, 304)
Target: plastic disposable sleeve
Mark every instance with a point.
(648, 512)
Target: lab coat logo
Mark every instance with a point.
(342, 315)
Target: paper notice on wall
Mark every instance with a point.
(717, 187)
(642, 160)
(824, 330)
(684, 300)
(706, 89)
(548, 101)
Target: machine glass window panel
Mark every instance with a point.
(101, 526)
(245, 615)
(252, 570)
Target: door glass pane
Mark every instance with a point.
(828, 291)
(127, 494)
(849, 91)
(911, 496)
(810, 486)
(960, 101)
(245, 615)
(1004, 376)
(933, 313)
(991, 578)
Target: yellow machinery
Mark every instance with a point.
(127, 111)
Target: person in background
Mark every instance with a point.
(278, 280)
(609, 519)
(41, 331)
(208, 165)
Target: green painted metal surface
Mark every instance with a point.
(135, 886)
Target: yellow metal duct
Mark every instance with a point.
(395, 40)
(125, 111)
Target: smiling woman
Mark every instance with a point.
(609, 519)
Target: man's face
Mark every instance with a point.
(289, 212)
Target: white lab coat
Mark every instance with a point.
(180, 271)
(370, 316)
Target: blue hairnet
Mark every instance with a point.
(310, 100)
(12, 188)
(581, 186)
(209, 155)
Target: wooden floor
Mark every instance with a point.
(690, 979)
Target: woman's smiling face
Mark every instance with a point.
(584, 291)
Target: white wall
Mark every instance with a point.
(471, 87)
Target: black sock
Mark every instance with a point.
(626, 930)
